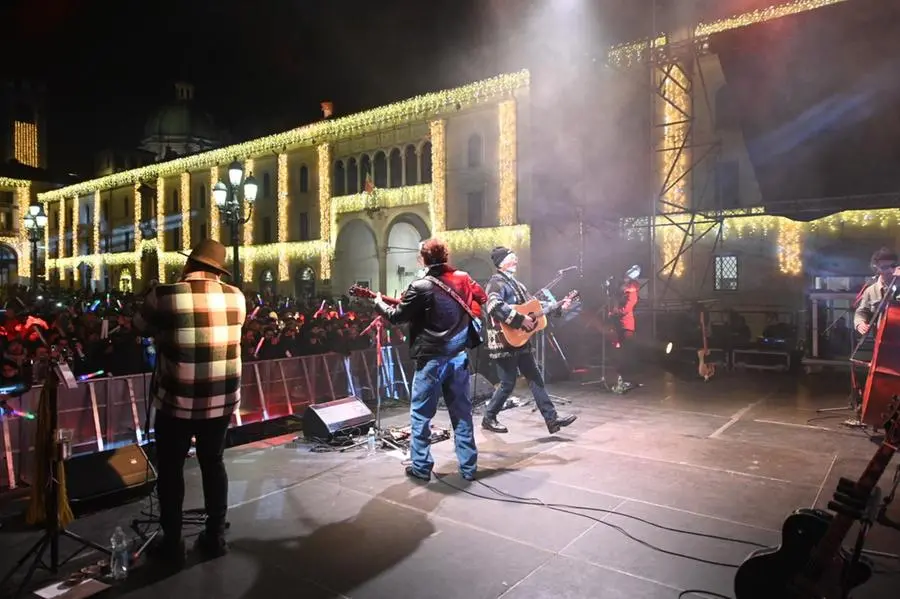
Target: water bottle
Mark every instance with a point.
(370, 440)
(119, 555)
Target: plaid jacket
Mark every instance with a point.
(196, 324)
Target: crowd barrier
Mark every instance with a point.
(102, 414)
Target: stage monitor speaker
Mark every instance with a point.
(480, 389)
(325, 421)
(115, 475)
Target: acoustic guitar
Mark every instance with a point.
(519, 337)
(707, 371)
(358, 291)
(810, 562)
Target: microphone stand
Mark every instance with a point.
(603, 340)
(543, 335)
(378, 325)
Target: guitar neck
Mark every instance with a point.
(831, 543)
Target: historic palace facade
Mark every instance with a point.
(442, 164)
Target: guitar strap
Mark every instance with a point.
(449, 291)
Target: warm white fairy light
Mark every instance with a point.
(507, 158)
(247, 258)
(438, 130)
(214, 217)
(186, 212)
(283, 200)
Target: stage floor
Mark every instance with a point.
(731, 457)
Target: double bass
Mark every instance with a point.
(883, 380)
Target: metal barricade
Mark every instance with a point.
(105, 413)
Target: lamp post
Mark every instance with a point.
(35, 222)
(228, 199)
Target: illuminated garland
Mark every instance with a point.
(8, 182)
(438, 175)
(160, 228)
(186, 212)
(21, 243)
(397, 197)
(421, 108)
(635, 52)
(282, 205)
(95, 229)
(247, 214)
(214, 218)
(674, 163)
(61, 229)
(76, 223)
(431, 108)
(325, 230)
(138, 209)
(507, 155)
(517, 237)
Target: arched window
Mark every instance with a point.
(396, 168)
(379, 170)
(339, 186)
(412, 166)
(352, 176)
(476, 151)
(425, 159)
(9, 265)
(304, 180)
(365, 167)
(267, 186)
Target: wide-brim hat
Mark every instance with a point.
(211, 253)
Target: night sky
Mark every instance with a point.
(265, 65)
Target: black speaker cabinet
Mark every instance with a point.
(115, 475)
(325, 421)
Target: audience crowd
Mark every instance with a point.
(93, 332)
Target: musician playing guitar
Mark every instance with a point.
(503, 291)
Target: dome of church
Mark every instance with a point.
(179, 128)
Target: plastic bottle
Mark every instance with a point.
(370, 440)
(119, 555)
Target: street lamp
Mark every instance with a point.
(228, 199)
(35, 222)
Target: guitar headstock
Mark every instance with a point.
(359, 291)
(892, 422)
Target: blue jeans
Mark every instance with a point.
(447, 375)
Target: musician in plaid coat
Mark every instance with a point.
(196, 324)
(502, 290)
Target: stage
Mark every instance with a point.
(730, 458)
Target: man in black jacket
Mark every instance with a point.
(438, 331)
(504, 289)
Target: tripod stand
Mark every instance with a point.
(607, 307)
(53, 452)
(381, 438)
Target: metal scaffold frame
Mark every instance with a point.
(672, 73)
(671, 70)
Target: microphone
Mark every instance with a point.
(569, 269)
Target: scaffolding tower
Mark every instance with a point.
(670, 66)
